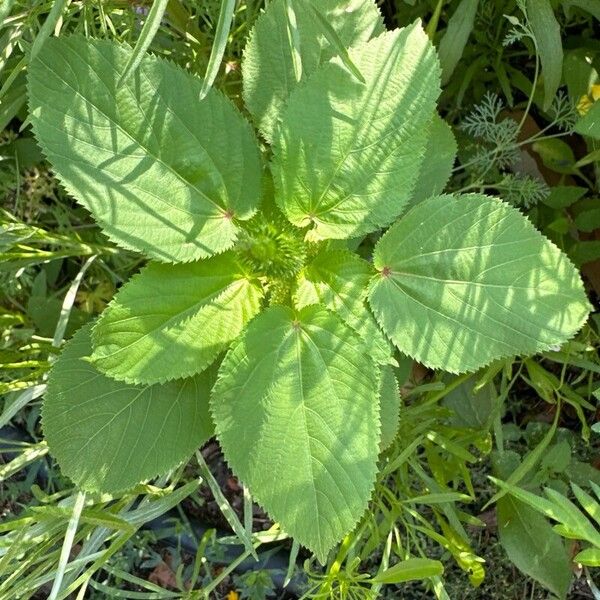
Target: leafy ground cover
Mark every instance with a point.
(487, 480)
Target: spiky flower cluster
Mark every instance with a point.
(272, 248)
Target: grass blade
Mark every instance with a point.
(49, 24)
(334, 39)
(67, 305)
(219, 44)
(5, 9)
(530, 461)
(146, 36)
(67, 545)
(225, 507)
(294, 39)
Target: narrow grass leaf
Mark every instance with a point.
(224, 506)
(151, 25)
(58, 7)
(218, 48)
(546, 31)
(67, 545)
(457, 34)
(334, 39)
(530, 461)
(293, 39)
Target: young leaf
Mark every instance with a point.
(436, 168)
(268, 67)
(106, 435)
(172, 321)
(338, 280)
(162, 173)
(409, 570)
(464, 280)
(296, 409)
(347, 154)
(589, 557)
(546, 31)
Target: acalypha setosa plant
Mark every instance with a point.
(256, 319)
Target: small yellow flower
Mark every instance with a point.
(586, 101)
(584, 104)
(232, 595)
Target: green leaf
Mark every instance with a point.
(218, 46)
(296, 410)
(546, 31)
(533, 546)
(268, 68)
(585, 251)
(587, 215)
(472, 408)
(572, 518)
(457, 34)
(590, 505)
(440, 153)
(589, 557)
(591, 6)
(556, 155)
(389, 398)
(106, 435)
(409, 570)
(50, 22)
(562, 196)
(162, 173)
(334, 39)
(347, 155)
(464, 280)
(589, 124)
(558, 508)
(338, 280)
(172, 321)
(151, 25)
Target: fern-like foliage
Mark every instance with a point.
(499, 136)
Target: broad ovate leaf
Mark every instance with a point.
(338, 280)
(172, 321)
(106, 435)
(268, 69)
(348, 154)
(464, 280)
(161, 172)
(296, 409)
